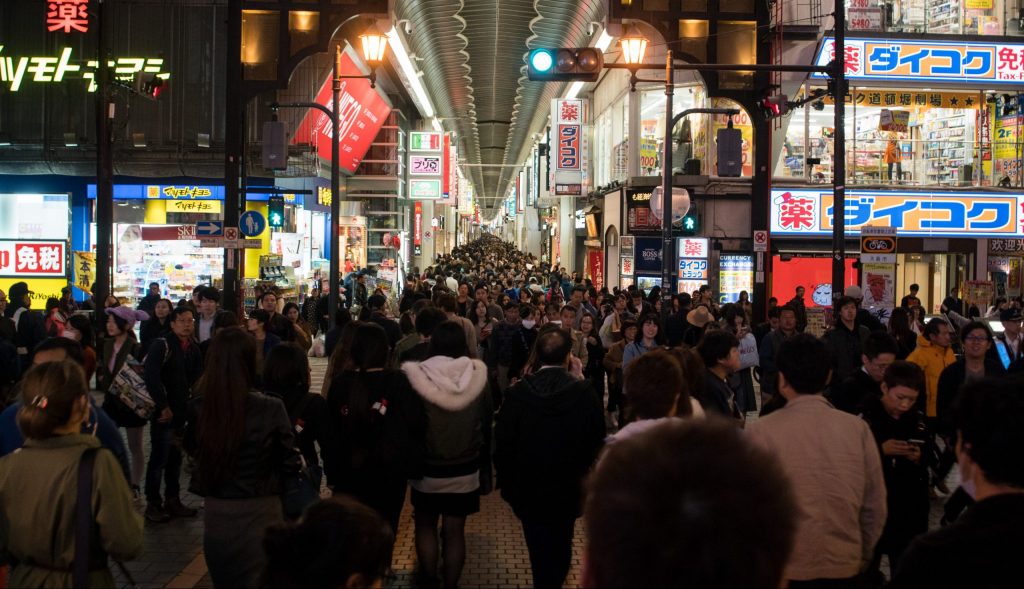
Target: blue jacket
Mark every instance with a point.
(106, 432)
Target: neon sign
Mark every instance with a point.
(68, 15)
(17, 70)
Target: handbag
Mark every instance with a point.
(301, 490)
(130, 388)
(748, 352)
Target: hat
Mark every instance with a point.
(699, 316)
(129, 315)
(1010, 314)
(854, 292)
(376, 301)
(451, 283)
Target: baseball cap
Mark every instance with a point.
(1011, 314)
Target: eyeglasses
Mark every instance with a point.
(974, 339)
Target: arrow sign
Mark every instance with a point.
(210, 228)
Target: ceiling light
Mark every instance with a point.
(410, 72)
(603, 41)
(436, 122)
(574, 90)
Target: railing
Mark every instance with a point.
(923, 163)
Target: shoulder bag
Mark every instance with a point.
(83, 524)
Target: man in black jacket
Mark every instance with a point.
(549, 431)
(982, 549)
(172, 366)
(879, 351)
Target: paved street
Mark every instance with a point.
(496, 552)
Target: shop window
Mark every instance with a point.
(693, 38)
(260, 44)
(737, 43)
(303, 28)
(652, 128)
(946, 17)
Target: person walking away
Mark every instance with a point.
(900, 328)
(28, 325)
(899, 430)
(548, 433)
(457, 465)
(846, 340)
(879, 352)
(79, 329)
(797, 304)
(286, 376)
(376, 429)
(655, 392)
(39, 487)
(982, 548)
(171, 368)
(832, 461)
(118, 348)
(243, 445)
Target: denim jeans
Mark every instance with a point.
(164, 462)
(549, 543)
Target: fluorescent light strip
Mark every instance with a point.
(410, 72)
(437, 124)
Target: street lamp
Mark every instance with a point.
(634, 46)
(374, 45)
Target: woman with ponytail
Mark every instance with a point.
(377, 427)
(244, 445)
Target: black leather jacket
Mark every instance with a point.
(267, 453)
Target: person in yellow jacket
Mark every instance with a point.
(933, 355)
(893, 156)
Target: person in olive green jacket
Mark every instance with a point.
(38, 487)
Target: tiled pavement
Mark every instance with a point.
(496, 553)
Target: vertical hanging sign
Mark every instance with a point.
(878, 269)
(417, 227)
(568, 118)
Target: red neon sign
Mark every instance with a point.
(361, 114)
(68, 15)
(417, 223)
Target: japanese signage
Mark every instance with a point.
(323, 196)
(735, 274)
(595, 267)
(417, 224)
(175, 192)
(16, 71)
(424, 141)
(893, 120)
(927, 214)
(67, 16)
(85, 270)
(1006, 246)
(167, 232)
(648, 154)
(193, 206)
(626, 245)
(648, 255)
(878, 245)
(32, 258)
(864, 19)
(878, 267)
(420, 188)
(692, 253)
(627, 265)
(638, 213)
(568, 118)
(424, 165)
(927, 61)
(361, 114)
(692, 247)
(693, 269)
(906, 98)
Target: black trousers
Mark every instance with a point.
(549, 541)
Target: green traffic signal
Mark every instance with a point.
(275, 211)
(690, 224)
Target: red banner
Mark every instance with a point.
(417, 223)
(169, 233)
(32, 258)
(595, 267)
(361, 114)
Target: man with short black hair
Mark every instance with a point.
(148, 302)
(207, 301)
(655, 518)
(905, 302)
(720, 351)
(376, 304)
(548, 433)
(426, 321)
(493, 310)
(508, 350)
(769, 348)
(797, 304)
(982, 548)
(832, 460)
(878, 352)
(447, 303)
(845, 339)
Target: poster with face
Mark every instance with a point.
(879, 285)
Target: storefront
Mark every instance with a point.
(937, 231)
(1005, 265)
(945, 17)
(35, 232)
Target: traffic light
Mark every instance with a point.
(564, 64)
(275, 211)
(690, 223)
(775, 106)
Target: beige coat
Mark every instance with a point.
(38, 487)
(832, 461)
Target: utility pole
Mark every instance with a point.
(104, 157)
(839, 157)
(667, 250)
(335, 263)
(234, 144)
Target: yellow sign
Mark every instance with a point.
(15, 70)
(192, 206)
(85, 270)
(648, 153)
(42, 289)
(905, 98)
(323, 196)
(978, 4)
(178, 192)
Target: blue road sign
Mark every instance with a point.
(210, 228)
(252, 223)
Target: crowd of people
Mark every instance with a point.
(700, 449)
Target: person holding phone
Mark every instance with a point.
(899, 429)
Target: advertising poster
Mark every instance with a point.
(879, 285)
(735, 274)
(648, 256)
(85, 270)
(1013, 278)
(595, 268)
(979, 293)
(741, 122)
(814, 274)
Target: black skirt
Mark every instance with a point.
(453, 504)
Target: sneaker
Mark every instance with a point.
(156, 514)
(175, 508)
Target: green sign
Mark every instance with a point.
(15, 71)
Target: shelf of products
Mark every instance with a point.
(947, 151)
(944, 16)
(178, 266)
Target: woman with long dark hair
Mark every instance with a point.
(377, 428)
(900, 328)
(158, 325)
(341, 357)
(286, 375)
(243, 444)
(457, 466)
